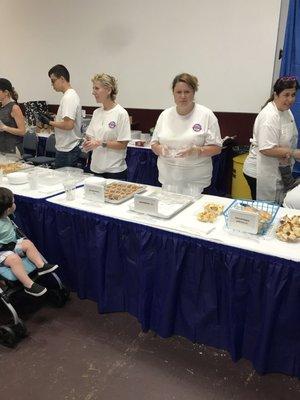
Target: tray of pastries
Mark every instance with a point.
(118, 192)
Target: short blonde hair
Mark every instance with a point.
(190, 80)
(108, 81)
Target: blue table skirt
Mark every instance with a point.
(244, 302)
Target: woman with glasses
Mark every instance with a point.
(12, 122)
(274, 143)
(185, 138)
(109, 132)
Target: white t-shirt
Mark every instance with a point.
(292, 199)
(269, 131)
(69, 107)
(200, 127)
(109, 125)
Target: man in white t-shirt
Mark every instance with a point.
(67, 124)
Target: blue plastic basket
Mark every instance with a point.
(270, 207)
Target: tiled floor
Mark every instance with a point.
(74, 353)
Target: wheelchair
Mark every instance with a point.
(57, 295)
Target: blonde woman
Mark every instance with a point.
(108, 133)
(12, 122)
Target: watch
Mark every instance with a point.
(104, 144)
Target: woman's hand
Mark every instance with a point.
(91, 144)
(296, 154)
(187, 152)
(2, 127)
(160, 149)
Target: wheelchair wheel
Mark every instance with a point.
(57, 298)
(20, 329)
(66, 293)
(7, 336)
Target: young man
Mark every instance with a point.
(67, 124)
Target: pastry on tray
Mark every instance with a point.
(288, 229)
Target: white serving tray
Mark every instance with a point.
(169, 204)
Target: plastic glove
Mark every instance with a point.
(186, 152)
(164, 151)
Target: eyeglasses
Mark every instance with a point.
(288, 78)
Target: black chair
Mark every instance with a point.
(49, 157)
(30, 144)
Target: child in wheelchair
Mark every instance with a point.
(13, 249)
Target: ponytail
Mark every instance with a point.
(271, 98)
(14, 95)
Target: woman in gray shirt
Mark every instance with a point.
(12, 122)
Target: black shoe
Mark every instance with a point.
(47, 268)
(36, 290)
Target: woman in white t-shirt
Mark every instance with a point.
(274, 143)
(185, 138)
(108, 132)
(292, 199)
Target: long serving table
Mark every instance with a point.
(181, 276)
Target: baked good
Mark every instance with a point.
(210, 213)
(288, 229)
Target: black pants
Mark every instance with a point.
(252, 184)
(121, 176)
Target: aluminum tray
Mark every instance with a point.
(129, 196)
(169, 204)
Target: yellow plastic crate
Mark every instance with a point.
(239, 188)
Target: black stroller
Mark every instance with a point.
(57, 294)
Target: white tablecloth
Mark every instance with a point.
(186, 223)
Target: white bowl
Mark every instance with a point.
(17, 178)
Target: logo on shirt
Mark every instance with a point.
(112, 124)
(197, 127)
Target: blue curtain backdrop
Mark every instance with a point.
(290, 64)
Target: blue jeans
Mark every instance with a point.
(67, 158)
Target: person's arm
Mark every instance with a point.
(67, 124)
(18, 116)
(92, 144)
(157, 148)
(277, 152)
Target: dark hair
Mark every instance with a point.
(282, 83)
(5, 84)
(6, 200)
(189, 79)
(59, 71)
